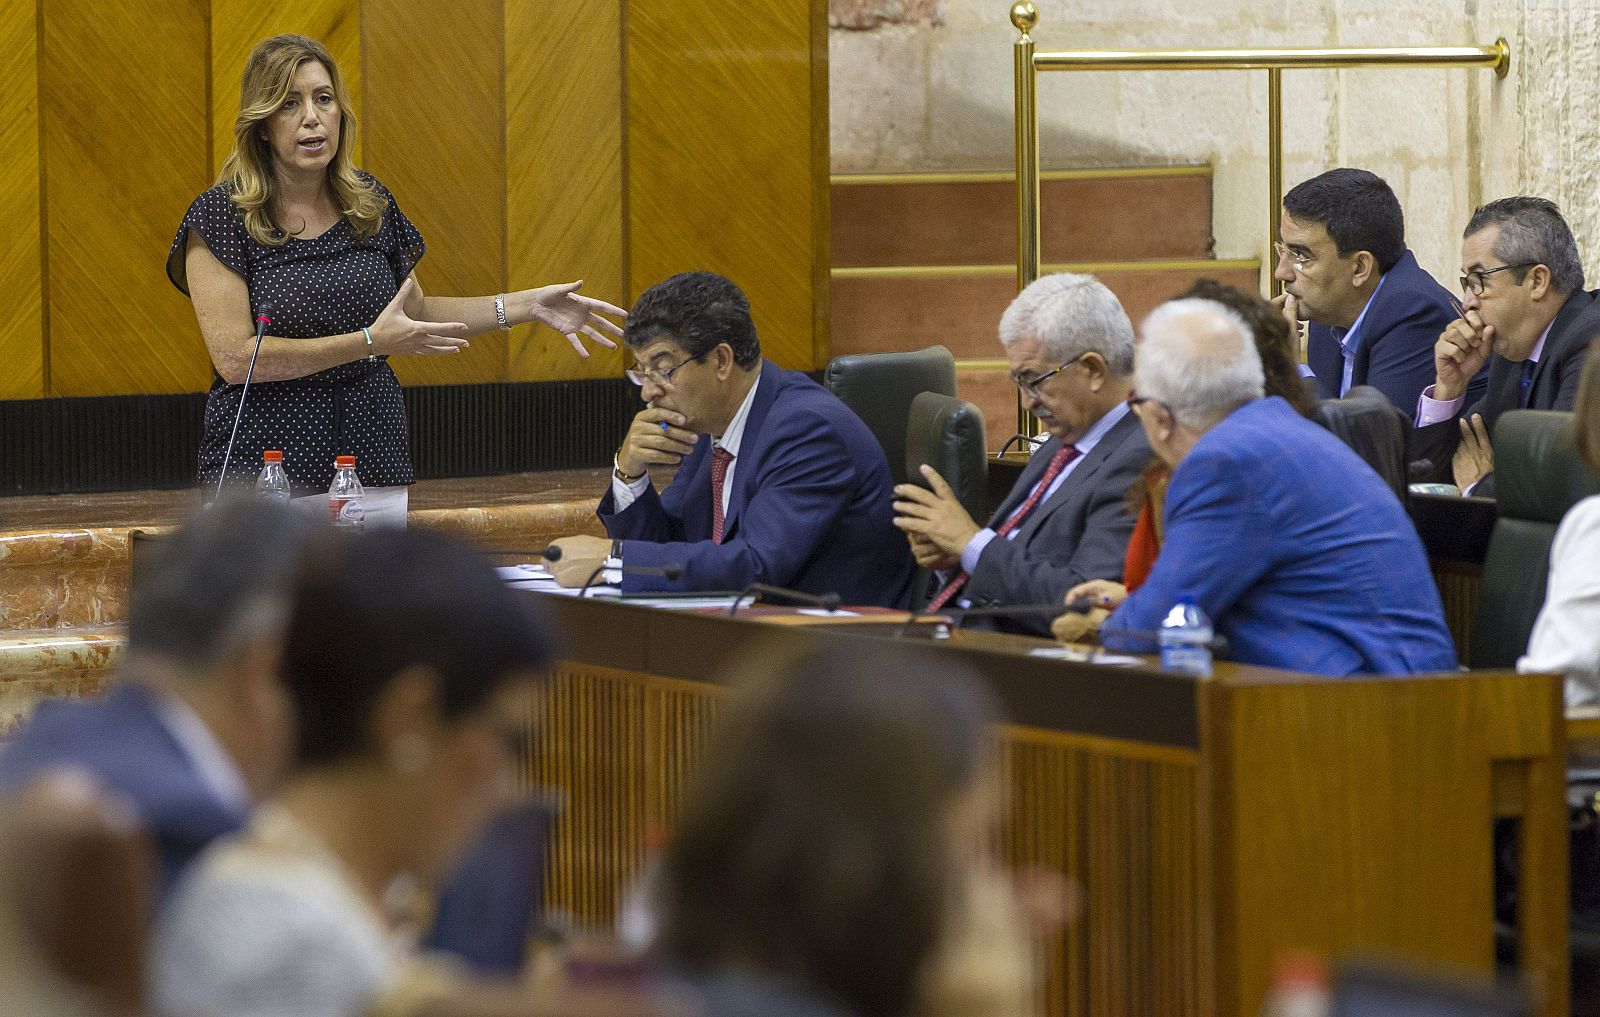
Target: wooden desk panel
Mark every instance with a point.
(1211, 824)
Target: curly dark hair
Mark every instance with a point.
(698, 310)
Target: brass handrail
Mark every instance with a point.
(1028, 63)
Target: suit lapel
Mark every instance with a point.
(1542, 393)
(752, 447)
(1082, 474)
(1037, 463)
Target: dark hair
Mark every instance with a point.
(1279, 360)
(698, 310)
(1358, 210)
(812, 847)
(221, 578)
(1532, 232)
(381, 602)
(1586, 411)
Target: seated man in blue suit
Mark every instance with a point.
(196, 726)
(778, 482)
(1298, 551)
(1373, 312)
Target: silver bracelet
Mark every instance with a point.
(366, 333)
(500, 311)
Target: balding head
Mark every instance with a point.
(1196, 358)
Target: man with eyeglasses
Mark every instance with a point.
(1525, 314)
(777, 481)
(1301, 555)
(1070, 347)
(1373, 312)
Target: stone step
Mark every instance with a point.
(40, 664)
(879, 310)
(971, 218)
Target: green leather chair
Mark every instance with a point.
(1538, 477)
(879, 387)
(947, 434)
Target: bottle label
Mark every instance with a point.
(346, 512)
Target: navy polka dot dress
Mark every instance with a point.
(328, 285)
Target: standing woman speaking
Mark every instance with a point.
(294, 225)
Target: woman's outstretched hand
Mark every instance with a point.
(574, 315)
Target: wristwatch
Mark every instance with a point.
(616, 469)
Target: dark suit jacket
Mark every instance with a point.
(1555, 387)
(121, 741)
(1078, 534)
(811, 507)
(1395, 352)
(1300, 554)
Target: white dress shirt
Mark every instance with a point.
(730, 439)
(1566, 636)
(211, 762)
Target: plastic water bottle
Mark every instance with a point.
(1186, 639)
(345, 509)
(1299, 987)
(273, 484)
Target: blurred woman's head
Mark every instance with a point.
(825, 836)
(409, 661)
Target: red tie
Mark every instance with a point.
(1058, 462)
(720, 458)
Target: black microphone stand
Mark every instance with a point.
(263, 319)
(827, 601)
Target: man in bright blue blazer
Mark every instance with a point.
(1373, 313)
(196, 726)
(1298, 551)
(778, 482)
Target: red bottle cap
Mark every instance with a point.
(340, 461)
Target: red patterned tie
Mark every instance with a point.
(720, 458)
(1058, 462)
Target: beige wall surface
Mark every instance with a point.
(930, 88)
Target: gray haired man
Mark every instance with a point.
(1070, 348)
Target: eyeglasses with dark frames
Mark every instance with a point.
(1477, 280)
(660, 378)
(1030, 386)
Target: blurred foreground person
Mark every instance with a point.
(196, 727)
(834, 856)
(409, 665)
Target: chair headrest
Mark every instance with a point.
(1538, 474)
(927, 370)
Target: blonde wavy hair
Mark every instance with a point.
(268, 75)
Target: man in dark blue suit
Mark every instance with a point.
(1526, 316)
(778, 482)
(1373, 312)
(1297, 550)
(197, 724)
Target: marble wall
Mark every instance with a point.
(935, 93)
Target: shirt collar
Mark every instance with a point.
(733, 434)
(1538, 347)
(209, 759)
(1351, 337)
(1087, 443)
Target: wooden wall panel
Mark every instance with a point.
(564, 181)
(727, 156)
(125, 153)
(21, 262)
(435, 120)
(236, 27)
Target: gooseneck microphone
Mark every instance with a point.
(1031, 440)
(827, 601)
(671, 573)
(1051, 609)
(263, 319)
